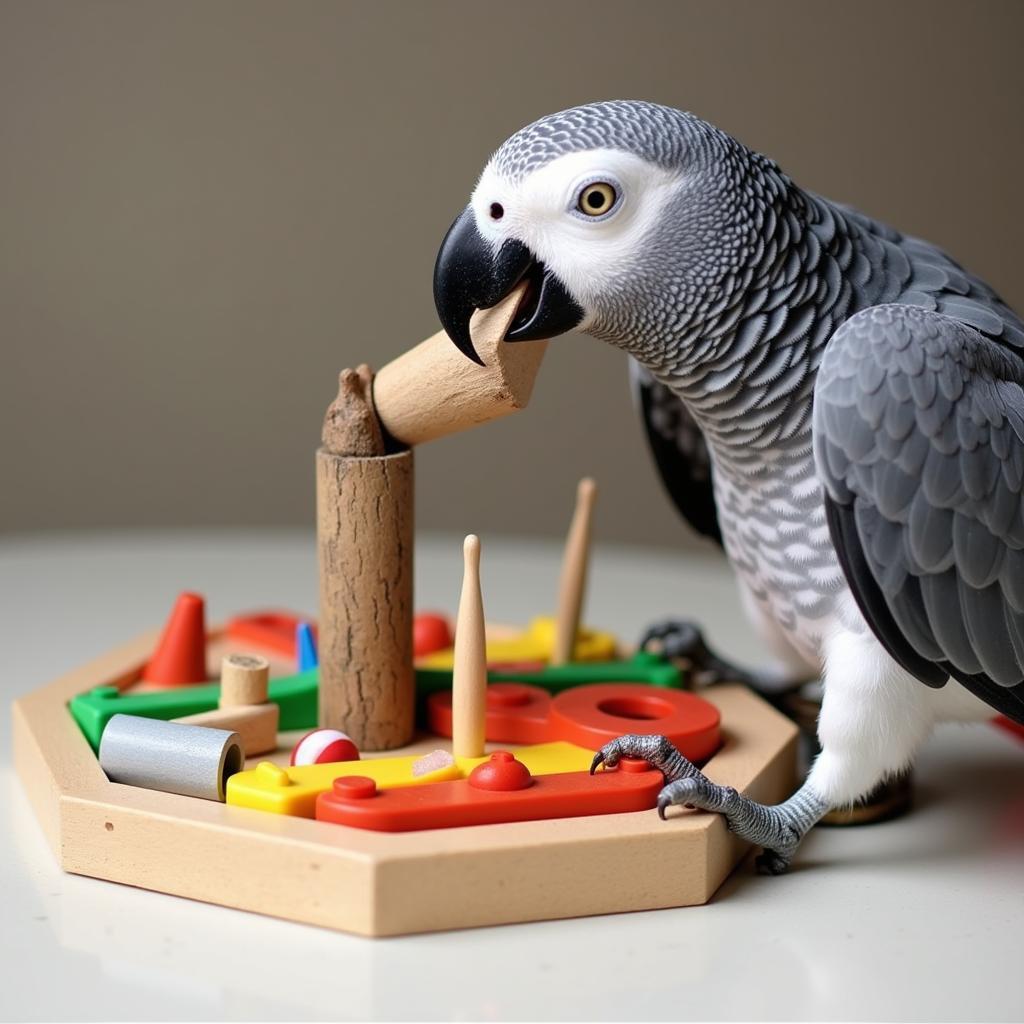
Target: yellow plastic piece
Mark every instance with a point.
(262, 787)
(271, 774)
(535, 643)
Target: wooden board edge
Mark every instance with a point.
(243, 869)
(33, 771)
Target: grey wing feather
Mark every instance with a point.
(680, 451)
(919, 441)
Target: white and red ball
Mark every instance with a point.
(324, 746)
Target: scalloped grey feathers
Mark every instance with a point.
(919, 439)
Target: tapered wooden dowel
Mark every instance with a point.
(433, 389)
(573, 582)
(469, 674)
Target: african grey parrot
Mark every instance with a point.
(840, 403)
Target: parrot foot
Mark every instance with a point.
(657, 751)
(682, 640)
(778, 829)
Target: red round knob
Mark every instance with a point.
(633, 764)
(430, 632)
(355, 787)
(502, 774)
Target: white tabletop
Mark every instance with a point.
(919, 919)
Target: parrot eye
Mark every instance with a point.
(596, 199)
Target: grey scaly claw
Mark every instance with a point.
(697, 791)
(657, 751)
(772, 862)
(778, 829)
(609, 754)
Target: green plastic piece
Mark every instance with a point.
(297, 695)
(643, 667)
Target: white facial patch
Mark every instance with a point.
(586, 253)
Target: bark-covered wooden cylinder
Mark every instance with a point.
(365, 545)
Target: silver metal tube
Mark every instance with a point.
(191, 760)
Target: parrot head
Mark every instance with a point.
(618, 215)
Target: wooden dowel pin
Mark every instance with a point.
(433, 389)
(469, 673)
(573, 582)
(365, 546)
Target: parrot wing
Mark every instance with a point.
(919, 442)
(680, 451)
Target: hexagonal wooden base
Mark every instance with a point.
(375, 883)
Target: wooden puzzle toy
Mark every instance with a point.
(190, 760)
(378, 883)
(442, 838)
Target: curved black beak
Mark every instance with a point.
(467, 276)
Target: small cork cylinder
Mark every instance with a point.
(244, 679)
(365, 545)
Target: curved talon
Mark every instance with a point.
(682, 791)
(610, 753)
(663, 803)
(770, 862)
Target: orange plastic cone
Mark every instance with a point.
(180, 656)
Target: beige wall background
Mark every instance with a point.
(207, 209)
